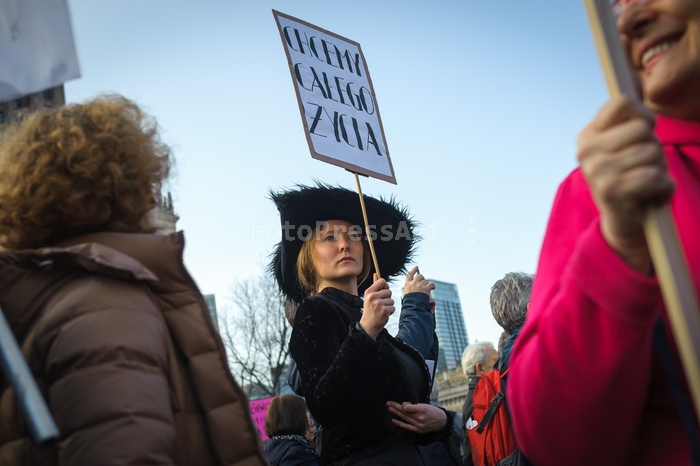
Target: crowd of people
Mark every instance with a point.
(124, 351)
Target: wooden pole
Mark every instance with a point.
(17, 374)
(369, 237)
(659, 226)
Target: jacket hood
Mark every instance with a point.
(278, 447)
(29, 277)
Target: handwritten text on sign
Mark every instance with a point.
(258, 409)
(336, 99)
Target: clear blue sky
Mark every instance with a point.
(481, 104)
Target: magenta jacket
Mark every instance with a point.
(586, 385)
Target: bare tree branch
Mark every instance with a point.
(256, 335)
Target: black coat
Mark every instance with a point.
(467, 410)
(290, 450)
(348, 378)
(416, 328)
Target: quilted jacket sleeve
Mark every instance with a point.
(105, 347)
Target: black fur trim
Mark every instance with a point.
(300, 209)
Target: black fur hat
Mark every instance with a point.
(302, 207)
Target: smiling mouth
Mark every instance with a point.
(652, 52)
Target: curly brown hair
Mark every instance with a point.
(78, 169)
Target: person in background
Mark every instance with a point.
(112, 325)
(594, 368)
(510, 299)
(291, 432)
(502, 342)
(478, 359)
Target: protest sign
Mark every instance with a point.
(37, 47)
(258, 409)
(336, 98)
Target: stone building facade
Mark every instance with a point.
(454, 386)
(54, 97)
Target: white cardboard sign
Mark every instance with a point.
(37, 51)
(336, 98)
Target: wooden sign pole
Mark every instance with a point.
(659, 226)
(17, 374)
(369, 237)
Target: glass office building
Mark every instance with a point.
(210, 299)
(449, 325)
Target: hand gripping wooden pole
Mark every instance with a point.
(367, 232)
(659, 226)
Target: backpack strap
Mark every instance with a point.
(495, 403)
(685, 408)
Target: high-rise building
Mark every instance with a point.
(449, 325)
(210, 299)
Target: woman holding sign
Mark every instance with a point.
(595, 376)
(368, 390)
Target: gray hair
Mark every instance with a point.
(475, 354)
(509, 299)
(502, 342)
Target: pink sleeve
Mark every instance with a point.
(581, 366)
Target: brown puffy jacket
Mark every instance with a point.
(123, 348)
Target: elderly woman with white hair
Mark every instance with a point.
(478, 360)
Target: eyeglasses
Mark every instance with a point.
(618, 6)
